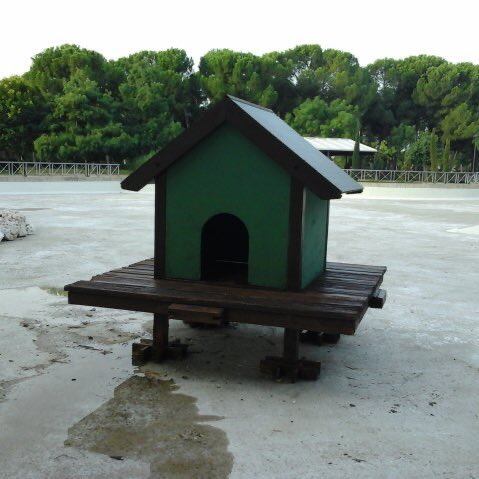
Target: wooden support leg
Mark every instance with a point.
(160, 337)
(291, 344)
(290, 354)
(159, 348)
(289, 366)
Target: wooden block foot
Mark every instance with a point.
(177, 350)
(281, 368)
(309, 370)
(142, 352)
(378, 298)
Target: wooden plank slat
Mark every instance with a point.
(177, 296)
(208, 288)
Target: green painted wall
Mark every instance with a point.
(315, 237)
(226, 173)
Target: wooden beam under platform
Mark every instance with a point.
(197, 315)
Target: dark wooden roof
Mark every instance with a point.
(270, 133)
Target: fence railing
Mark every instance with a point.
(14, 168)
(11, 168)
(399, 176)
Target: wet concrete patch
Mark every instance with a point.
(99, 333)
(5, 387)
(148, 421)
(26, 352)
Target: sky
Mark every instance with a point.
(370, 29)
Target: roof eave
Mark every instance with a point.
(355, 191)
(207, 123)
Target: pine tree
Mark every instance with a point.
(446, 157)
(356, 159)
(433, 159)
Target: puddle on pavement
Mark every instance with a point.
(148, 421)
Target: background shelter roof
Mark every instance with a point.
(339, 146)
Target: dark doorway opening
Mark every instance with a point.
(224, 249)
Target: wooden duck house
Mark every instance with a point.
(243, 197)
(241, 230)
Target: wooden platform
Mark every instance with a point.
(335, 303)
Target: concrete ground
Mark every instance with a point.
(399, 399)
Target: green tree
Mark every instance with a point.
(150, 78)
(433, 155)
(157, 97)
(446, 156)
(53, 67)
(384, 157)
(81, 127)
(396, 82)
(475, 146)
(460, 123)
(148, 97)
(402, 136)
(22, 111)
(336, 75)
(316, 118)
(449, 93)
(356, 158)
(241, 74)
(417, 154)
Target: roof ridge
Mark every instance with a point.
(240, 100)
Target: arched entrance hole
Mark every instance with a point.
(224, 249)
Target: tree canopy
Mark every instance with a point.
(315, 117)
(22, 109)
(75, 105)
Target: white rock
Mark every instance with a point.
(11, 231)
(22, 230)
(13, 225)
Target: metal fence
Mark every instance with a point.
(399, 176)
(11, 168)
